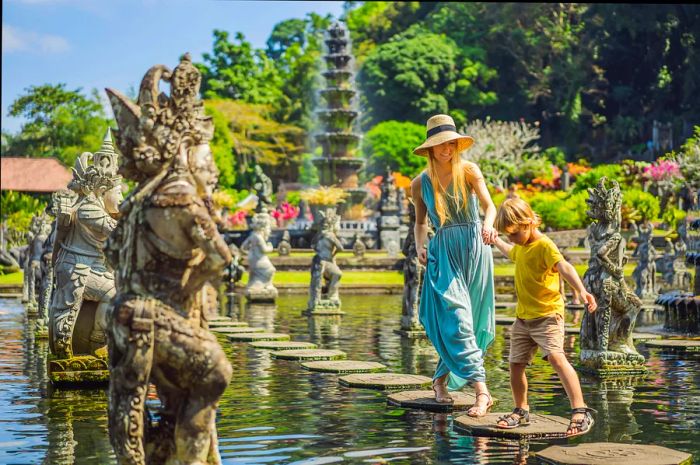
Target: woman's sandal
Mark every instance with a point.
(519, 417)
(440, 399)
(486, 409)
(583, 425)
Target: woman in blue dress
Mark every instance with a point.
(457, 299)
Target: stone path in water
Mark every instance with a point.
(370, 375)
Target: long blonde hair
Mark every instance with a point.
(459, 183)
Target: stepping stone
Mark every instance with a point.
(344, 366)
(309, 354)
(385, 381)
(252, 337)
(411, 334)
(218, 318)
(237, 330)
(283, 345)
(505, 304)
(687, 345)
(505, 320)
(605, 453)
(572, 330)
(425, 400)
(645, 336)
(229, 323)
(541, 426)
(575, 307)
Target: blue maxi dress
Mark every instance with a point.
(457, 305)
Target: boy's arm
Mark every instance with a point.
(568, 272)
(503, 246)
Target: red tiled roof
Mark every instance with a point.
(33, 174)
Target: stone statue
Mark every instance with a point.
(413, 272)
(42, 229)
(165, 248)
(263, 190)
(323, 267)
(645, 272)
(389, 203)
(84, 282)
(676, 274)
(261, 271)
(606, 334)
(284, 248)
(358, 247)
(27, 283)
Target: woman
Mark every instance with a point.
(457, 301)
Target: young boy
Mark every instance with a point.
(540, 311)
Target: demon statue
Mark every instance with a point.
(323, 267)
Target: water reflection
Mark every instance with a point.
(274, 411)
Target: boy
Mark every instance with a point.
(540, 311)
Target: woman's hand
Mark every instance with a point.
(423, 256)
(489, 235)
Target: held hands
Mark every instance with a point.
(591, 304)
(422, 256)
(489, 235)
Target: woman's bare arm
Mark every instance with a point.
(420, 230)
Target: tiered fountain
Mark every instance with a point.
(339, 164)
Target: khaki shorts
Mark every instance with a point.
(547, 333)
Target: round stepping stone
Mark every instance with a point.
(505, 304)
(541, 426)
(505, 320)
(425, 400)
(309, 354)
(645, 336)
(253, 337)
(344, 366)
(282, 345)
(604, 453)
(575, 307)
(572, 330)
(237, 330)
(675, 344)
(385, 381)
(229, 323)
(218, 318)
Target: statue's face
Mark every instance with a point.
(112, 198)
(204, 171)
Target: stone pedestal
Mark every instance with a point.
(79, 370)
(266, 294)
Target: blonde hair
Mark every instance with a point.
(515, 213)
(459, 183)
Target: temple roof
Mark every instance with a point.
(33, 174)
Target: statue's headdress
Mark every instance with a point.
(98, 170)
(604, 201)
(155, 131)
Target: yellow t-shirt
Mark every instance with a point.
(536, 279)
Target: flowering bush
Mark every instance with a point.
(284, 213)
(324, 196)
(237, 220)
(662, 170)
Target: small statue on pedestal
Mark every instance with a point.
(606, 335)
(165, 248)
(261, 271)
(263, 190)
(34, 254)
(645, 272)
(358, 247)
(323, 267)
(413, 272)
(284, 248)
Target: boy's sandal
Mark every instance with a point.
(486, 409)
(519, 417)
(582, 425)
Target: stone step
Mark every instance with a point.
(425, 400)
(684, 345)
(385, 381)
(253, 337)
(236, 330)
(227, 323)
(309, 354)
(505, 320)
(344, 366)
(606, 453)
(541, 426)
(282, 345)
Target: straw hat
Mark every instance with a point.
(441, 129)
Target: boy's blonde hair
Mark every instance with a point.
(515, 213)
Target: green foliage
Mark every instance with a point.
(17, 212)
(645, 205)
(532, 167)
(592, 177)
(556, 156)
(308, 173)
(391, 144)
(559, 210)
(60, 123)
(671, 216)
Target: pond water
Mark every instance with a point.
(275, 412)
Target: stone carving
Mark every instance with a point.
(323, 267)
(645, 272)
(84, 282)
(284, 248)
(261, 271)
(389, 221)
(27, 288)
(676, 273)
(41, 225)
(358, 247)
(263, 190)
(413, 272)
(606, 334)
(167, 247)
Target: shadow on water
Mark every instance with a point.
(276, 412)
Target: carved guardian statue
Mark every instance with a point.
(165, 248)
(323, 267)
(644, 273)
(261, 271)
(606, 334)
(413, 272)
